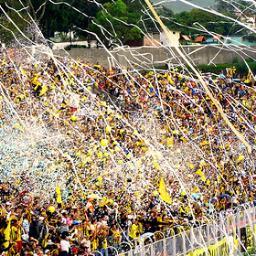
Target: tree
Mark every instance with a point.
(224, 7)
(35, 8)
(117, 22)
(236, 6)
(50, 16)
(9, 30)
(195, 20)
(23, 14)
(68, 15)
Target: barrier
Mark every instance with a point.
(234, 232)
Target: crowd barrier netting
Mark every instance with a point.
(233, 233)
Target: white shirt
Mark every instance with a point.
(64, 246)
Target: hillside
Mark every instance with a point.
(178, 6)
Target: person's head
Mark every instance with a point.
(47, 252)
(28, 253)
(85, 245)
(14, 222)
(39, 251)
(64, 235)
(34, 217)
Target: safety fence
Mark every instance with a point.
(232, 233)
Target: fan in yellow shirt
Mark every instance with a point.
(134, 230)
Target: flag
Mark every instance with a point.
(240, 158)
(191, 166)
(170, 80)
(156, 165)
(201, 174)
(43, 90)
(58, 195)
(7, 234)
(163, 193)
(170, 142)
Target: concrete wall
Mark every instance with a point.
(91, 55)
(146, 57)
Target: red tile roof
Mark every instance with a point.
(199, 39)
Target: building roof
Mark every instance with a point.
(185, 37)
(216, 37)
(200, 39)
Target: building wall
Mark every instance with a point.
(174, 36)
(151, 40)
(157, 39)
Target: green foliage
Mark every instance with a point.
(224, 7)
(217, 69)
(229, 7)
(250, 251)
(8, 31)
(29, 9)
(117, 22)
(62, 15)
(241, 67)
(114, 21)
(69, 15)
(198, 21)
(167, 16)
(250, 38)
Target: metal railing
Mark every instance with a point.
(234, 232)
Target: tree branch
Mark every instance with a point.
(32, 10)
(43, 7)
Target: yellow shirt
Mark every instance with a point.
(134, 231)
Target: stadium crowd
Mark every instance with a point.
(129, 130)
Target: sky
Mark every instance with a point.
(178, 6)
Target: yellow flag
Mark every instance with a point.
(35, 81)
(156, 165)
(163, 193)
(73, 118)
(99, 181)
(240, 158)
(58, 195)
(108, 129)
(203, 178)
(103, 201)
(201, 174)
(7, 234)
(99, 154)
(43, 90)
(191, 166)
(104, 142)
(169, 142)
(170, 80)
(204, 143)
